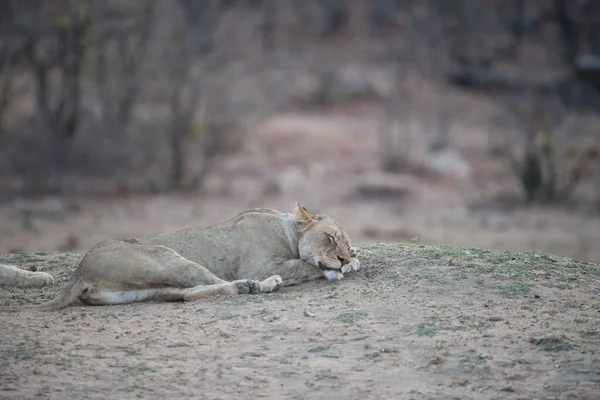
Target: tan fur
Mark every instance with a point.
(17, 277)
(255, 252)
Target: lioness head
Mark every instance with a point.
(323, 243)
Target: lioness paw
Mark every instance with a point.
(39, 279)
(248, 286)
(271, 284)
(354, 264)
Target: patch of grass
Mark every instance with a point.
(444, 252)
(178, 344)
(377, 255)
(129, 389)
(460, 276)
(225, 334)
(325, 375)
(67, 261)
(428, 328)
(552, 344)
(350, 317)
(433, 277)
(170, 357)
(435, 324)
(432, 253)
(515, 289)
(590, 332)
(143, 367)
(254, 354)
(130, 351)
(20, 352)
(476, 323)
(146, 342)
(472, 359)
(318, 349)
(21, 257)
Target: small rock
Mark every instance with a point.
(437, 360)
(389, 350)
(308, 314)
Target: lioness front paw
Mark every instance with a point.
(353, 265)
(39, 279)
(248, 286)
(271, 284)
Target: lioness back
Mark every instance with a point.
(254, 237)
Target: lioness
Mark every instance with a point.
(257, 251)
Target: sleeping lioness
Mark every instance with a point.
(258, 251)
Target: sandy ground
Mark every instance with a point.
(417, 322)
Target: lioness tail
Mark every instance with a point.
(68, 295)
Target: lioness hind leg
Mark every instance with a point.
(114, 297)
(126, 296)
(143, 265)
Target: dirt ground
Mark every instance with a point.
(417, 322)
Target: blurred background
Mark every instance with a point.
(465, 122)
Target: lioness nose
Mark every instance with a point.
(343, 260)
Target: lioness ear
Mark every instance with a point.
(302, 215)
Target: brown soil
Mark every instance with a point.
(417, 322)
